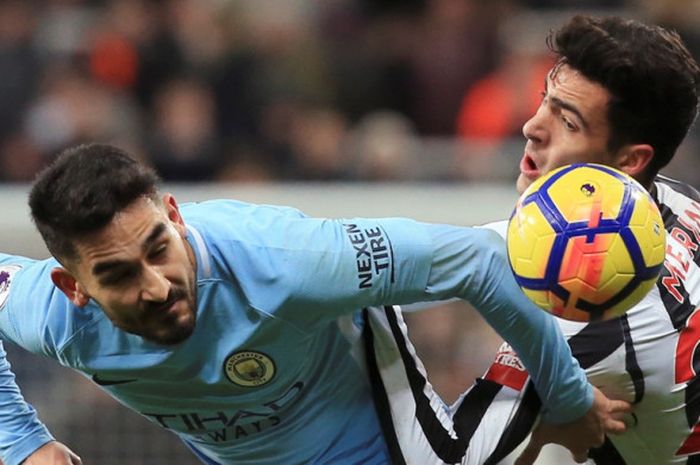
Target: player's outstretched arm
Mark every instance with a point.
(21, 433)
(575, 415)
(579, 435)
(53, 453)
(471, 263)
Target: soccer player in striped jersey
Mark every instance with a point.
(623, 94)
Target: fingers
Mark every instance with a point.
(619, 406)
(617, 410)
(613, 426)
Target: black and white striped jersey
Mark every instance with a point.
(650, 357)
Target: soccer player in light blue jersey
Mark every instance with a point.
(237, 326)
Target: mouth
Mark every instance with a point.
(167, 309)
(529, 168)
(167, 323)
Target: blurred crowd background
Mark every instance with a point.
(270, 91)
(285, 90)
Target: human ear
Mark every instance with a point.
(173, 211)
(65, 281)
(635, 159)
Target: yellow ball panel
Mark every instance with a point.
(540, 298)
(642, 210)
(619, 258)
(597, 271)
(647, 226)
(569, 312)
(631, 300)
(594, 262)
(537, 183)
(657, 255)
(587, 194)
(530, 238)
(578, 289)
(550, 302)
(611, 288)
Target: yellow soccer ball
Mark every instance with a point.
(586, 242)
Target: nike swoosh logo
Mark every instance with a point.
(110, 382)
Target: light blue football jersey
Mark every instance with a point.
(273, 373)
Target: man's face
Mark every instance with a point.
(570, 126)
(141, 271)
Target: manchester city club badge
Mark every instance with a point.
(249, 368)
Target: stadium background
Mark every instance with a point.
(338, 107)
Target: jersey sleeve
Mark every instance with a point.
(27, 299)
(480, 274)
(311, 270)
(21, 433)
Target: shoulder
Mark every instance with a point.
(33, 313)
(233, 215)
(227, 224)
(679, 204)
(21, 275)
(669, 191)
(253, 236)
(9, 269)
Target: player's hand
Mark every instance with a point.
(604, 417)
(53, 453)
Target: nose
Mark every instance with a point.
(534, 129)
(154, 286)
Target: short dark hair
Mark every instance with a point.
(652, 78)
(82, 190)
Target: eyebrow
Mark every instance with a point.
(103, 267)
(565, 105)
